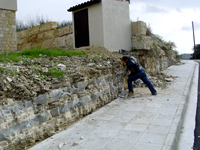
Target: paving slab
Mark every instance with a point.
(140, 123)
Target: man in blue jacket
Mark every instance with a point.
(137, 72)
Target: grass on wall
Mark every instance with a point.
(36, 53)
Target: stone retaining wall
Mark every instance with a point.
(25, 122)
(46, 36)
(8, 40)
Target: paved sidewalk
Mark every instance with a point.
(145, 122)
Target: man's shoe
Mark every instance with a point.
(155, 93)
(131, 94)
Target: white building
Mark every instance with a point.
(102, 23)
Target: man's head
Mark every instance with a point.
(125, 59)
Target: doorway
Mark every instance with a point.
(81, 28)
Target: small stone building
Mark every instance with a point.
(102, 23)
(8, 40)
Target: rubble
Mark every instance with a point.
(30, 78)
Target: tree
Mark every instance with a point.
(197, 47)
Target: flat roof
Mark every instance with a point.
(82, 5)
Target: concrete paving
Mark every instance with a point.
(139, 123)
(186, 139)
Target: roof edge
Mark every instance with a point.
(82, 5)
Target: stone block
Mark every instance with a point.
(55, 95)
(64, 31)
(33, 38)
(73, 90)
(4, 135)
(142, 43)
(106, 90)
(101, 81)
(28, 104)
(19, 127)
(81, 85)
(95, 96)
(23, 34)
(20, 41)
(73, 103)
(139, 27)
(47, 44)
(49, 34)
(48, 26)
(64, 108)
(41, 36)
(69, 41)
(55, 112)
(20, 105)
(39, 119)
(59, 42)
(84, 100)
(41, 99)
(34, 31)
(25, 46)
(6, 111)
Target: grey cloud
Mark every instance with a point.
(155, 9)
(197, 25)
(171, 4)
(186, 28)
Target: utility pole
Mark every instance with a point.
(194, 41)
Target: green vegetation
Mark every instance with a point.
(36, 53)
(39, 20)
(14, 73)
(1, 70)
(196, 53)
(149, 30)
(156, 47)
(56, 73)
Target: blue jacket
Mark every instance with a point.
(133, 66)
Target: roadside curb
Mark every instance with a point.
(179, 116)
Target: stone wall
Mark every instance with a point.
(46, 36)
(142, 41)
(24, 122)
(8, 40)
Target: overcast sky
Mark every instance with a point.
(170, 19)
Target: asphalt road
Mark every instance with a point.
(197, 126)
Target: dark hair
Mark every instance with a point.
(125, 57)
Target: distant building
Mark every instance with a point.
(186, 56)
(8, 39)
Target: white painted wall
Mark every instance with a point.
(8, 4)
(96, 32)
(117, 25)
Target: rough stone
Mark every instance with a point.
(55, 112)
(48, 26)
(84, 100)
(139, 27)
(41, 99)
(55, 95)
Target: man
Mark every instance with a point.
(136, 72)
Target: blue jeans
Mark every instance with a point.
(143, 76)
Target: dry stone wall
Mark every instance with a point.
(26, 121)
(46, 36)
(8, 40)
